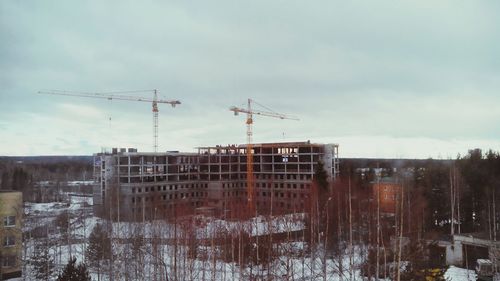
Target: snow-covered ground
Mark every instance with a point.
(290, 262)
(75, 203)
(78, 183)
(460, 274)
(82, 222)
(256, 226)
(68, 183)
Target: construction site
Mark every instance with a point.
(259, 207)
(132, 185)
(267, 178)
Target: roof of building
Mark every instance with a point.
(125, 152)
(160, 153)
(268, 144)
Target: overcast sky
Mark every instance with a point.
(395, 79)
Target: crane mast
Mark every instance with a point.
(155, 121)
(250, 178)
(249, 146)
(118, 96)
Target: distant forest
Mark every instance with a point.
(22, 173)
(468, 185)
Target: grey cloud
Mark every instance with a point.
(383, 68)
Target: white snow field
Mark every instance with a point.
(165, 258)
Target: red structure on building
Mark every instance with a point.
(388, 190)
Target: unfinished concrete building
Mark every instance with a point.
(132, 185)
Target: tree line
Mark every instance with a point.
(345, 234)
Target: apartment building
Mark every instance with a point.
(11, 210)
(132, 185)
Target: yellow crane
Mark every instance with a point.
(119, 96)
(249, 149)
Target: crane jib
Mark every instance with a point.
(114, 96)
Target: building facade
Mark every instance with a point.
(388, 191)
(141, 186)
(11, 210)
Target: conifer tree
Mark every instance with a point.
(42, 262)
(74, 272)
(99, 248)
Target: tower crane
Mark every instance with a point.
(249, 149)
(119, 96)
